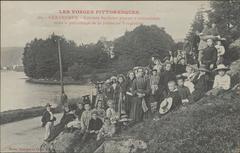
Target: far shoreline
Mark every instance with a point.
(56, 82)
(10, 116)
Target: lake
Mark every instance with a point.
(16, 93)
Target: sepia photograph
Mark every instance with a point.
(120, 77)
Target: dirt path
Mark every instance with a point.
(23, 136)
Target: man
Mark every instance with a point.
(209, 55)
(48, 120)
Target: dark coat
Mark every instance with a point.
(46, 118)
(177, 101)
(66, 118)
(209, 55)
(201, 87)
(165, 77)
(95, 124)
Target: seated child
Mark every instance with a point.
(100, 110)
(86, 117)
(95, 124)
(174, 94)
(107, 130)
(184, 92)
(111, 113)
(201, 83)
(190, 76)
(222, 80)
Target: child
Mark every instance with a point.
(48, 120)
(201, 83)
(184, 92)
(107, 130)
(209, 55)
(86, 117)
(95, 124)
(220, 52)
(172, 97)
(190, 76)
(174, 94)
(111, 113)
(166, 76)
(222, 80)
(100, 110)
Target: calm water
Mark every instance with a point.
(16, 93)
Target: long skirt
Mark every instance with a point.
(136, 113)
(127, 105)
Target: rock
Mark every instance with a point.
(65, 142)
(123, 146)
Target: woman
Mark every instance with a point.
(115, 92)
(140, 91)
(158, 66)
(129, 83)
(122, 94)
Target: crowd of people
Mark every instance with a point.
(149, 92)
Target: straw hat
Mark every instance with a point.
(166, 105)
(195, 67)
(121, 75)
(124, 118)
(222, 67)
(48, 105)
(203, 68)
(113, 78)
(180, 76)
(131, 71)
(108, 81)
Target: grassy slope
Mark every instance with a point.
(210, 126)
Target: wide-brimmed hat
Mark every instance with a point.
(222, 67)
(135, 68)
(113, 78)
(203, 68)
(48, 105)
(131, 71)
(94, 112)
(124, 118)
(108, 81)
(122, 76)
(180, 76)
(194, 66)
(166, 105)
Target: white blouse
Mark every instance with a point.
(223, 82)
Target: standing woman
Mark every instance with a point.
(115, 92)
(140, 90)
(158, 66)
(122, 94)
(129, 84)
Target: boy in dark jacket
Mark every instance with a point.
(48, 120)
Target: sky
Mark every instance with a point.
(22, 21)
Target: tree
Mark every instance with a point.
(136, 47)
(197, 25)
(76, 71)
(226, 15)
